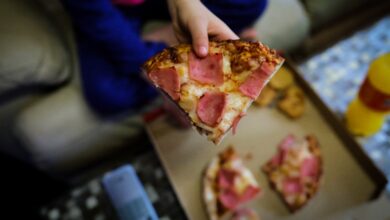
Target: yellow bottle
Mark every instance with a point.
(367, 112)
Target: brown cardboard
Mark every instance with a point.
(345, 182)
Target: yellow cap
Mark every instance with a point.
(379, 73)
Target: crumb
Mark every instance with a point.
(293, 102)
(248, 156)
(266, 96)
(282, 79)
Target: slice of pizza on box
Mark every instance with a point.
(215, 91)
(227, 186)
(295, 171)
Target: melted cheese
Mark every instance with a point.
(226, 65)
(228, 119)
(192, 91)
(182, 70)
(245, 177)
(304, 151)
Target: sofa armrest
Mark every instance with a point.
(56, 11)
(62, 134)
(33, 53)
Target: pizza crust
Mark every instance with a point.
(209, 194)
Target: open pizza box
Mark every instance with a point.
(350, 178)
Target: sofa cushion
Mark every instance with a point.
(62, 134)
(283, 18)
(323, 12)
(31, 48)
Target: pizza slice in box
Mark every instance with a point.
(295, 170)
(215, 91)
(227, 185)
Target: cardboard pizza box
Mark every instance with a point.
(350, 178)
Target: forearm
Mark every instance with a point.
(100, 22)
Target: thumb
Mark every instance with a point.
(200, 39)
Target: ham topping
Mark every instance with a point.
(228, 196)
(168, 80)
(310, 167)
(211, 107)
(256, 81)
(207, 70)
(292, 186)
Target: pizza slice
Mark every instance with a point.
(295, 170)
(215, 91)
(227, 185)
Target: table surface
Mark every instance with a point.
(341, 67)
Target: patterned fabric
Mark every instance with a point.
(90, 201)
(342, 68)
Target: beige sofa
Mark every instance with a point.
(44, 118)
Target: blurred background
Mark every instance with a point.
(52, 141)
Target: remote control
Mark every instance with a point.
(128, 195)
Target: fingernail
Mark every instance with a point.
(203, 51)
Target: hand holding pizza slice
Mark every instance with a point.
(214, 91)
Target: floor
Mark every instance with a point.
(25, 188)
(88, 200)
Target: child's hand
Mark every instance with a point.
(192, 21)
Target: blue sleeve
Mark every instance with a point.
(100, 22)
(237, 14)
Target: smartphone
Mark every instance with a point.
(127, 194)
